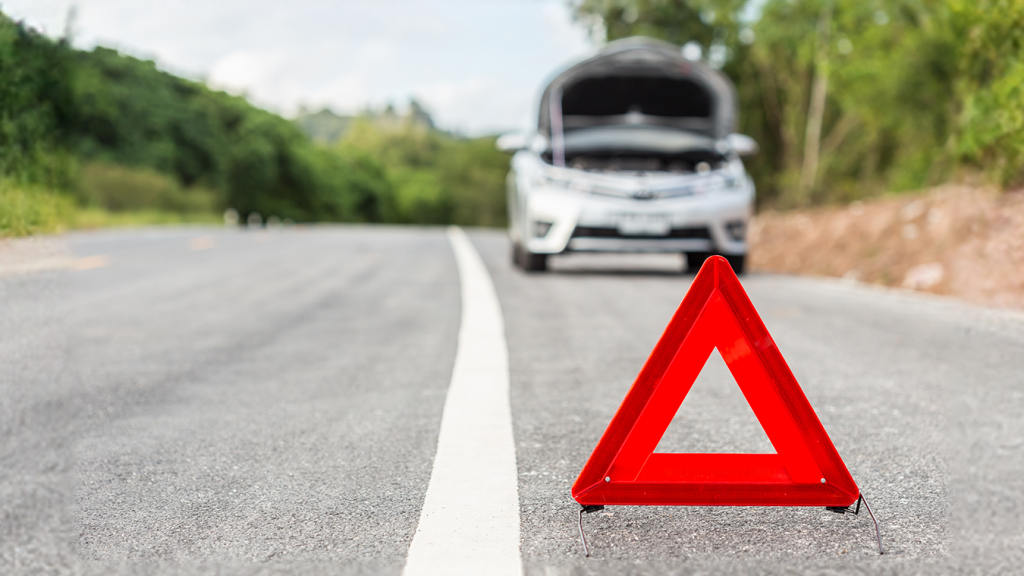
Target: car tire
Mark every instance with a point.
(738, 263)
(522, 258)
(694, 260)
(534, 262)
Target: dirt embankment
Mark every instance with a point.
(962, 241)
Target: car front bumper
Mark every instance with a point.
(571, 221)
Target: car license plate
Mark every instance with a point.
(643, 224)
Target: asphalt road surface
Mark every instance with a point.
(200, 401)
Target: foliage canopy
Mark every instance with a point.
(850, 98)
(115, 132)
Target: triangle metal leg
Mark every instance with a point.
(583, 537)
(856, 511)
(878, 533)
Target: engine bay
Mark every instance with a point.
(693, 162)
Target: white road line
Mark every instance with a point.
(470, 519)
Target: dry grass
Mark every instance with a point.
(28, 209)
(89, 218)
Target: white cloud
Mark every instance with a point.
(478, 105)
(243, 69)
(567, 36)
(477, 66)
(377, 52)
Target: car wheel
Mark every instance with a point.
(694, 260)
(738, 262)
(534, 262)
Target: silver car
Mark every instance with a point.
(634, 151)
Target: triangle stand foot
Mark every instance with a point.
(583, 537)
(856, 511)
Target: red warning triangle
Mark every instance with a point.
(806, 470)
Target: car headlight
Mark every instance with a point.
(541, 179)
(551, 182)
(581, 188)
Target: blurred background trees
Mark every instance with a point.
(434, 177)
(99, 130)
(848, 98)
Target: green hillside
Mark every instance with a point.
(324, 127)
(98, 130)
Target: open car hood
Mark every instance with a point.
(640, 81)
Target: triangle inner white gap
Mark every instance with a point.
(715, 417)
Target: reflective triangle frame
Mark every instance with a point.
(806, 469)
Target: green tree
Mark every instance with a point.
(990, 84)
(131, 113)
(847, 98)
(433, 178)
(36, 103)
(147, 140)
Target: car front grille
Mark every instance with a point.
(594, 232)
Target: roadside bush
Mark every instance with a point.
(120, 188)
(475, 170)
(31, 209)
(420, 197)
(430, 177)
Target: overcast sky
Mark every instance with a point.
(476, 65)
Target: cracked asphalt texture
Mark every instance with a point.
(269, 404)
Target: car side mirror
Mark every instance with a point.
(512, 142)
(742, 144)
(539, 143)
